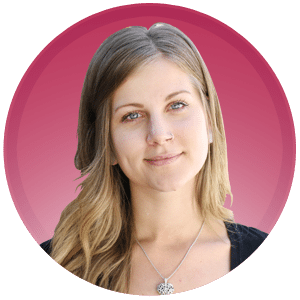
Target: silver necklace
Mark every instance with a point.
(167, 288)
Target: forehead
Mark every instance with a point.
(156, 79)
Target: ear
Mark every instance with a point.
(210, 137)
(208, 124)
(113, 160)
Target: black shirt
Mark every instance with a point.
(244, 241)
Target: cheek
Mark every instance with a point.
(201, 138)
(194, 129)
(126, 143)
(194, 136)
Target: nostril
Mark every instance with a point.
(160, 138)
(159, 130)
(171, 136)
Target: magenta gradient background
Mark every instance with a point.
(40, 137)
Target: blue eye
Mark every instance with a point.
(178, 105)
(131, 117)
(136, 115)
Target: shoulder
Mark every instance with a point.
(244, 241)
(46, 246)
(245, 234)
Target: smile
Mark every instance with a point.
(162, 160)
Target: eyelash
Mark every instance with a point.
(125, 120)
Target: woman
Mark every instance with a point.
(150, 215)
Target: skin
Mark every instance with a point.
(158, 125)
(157, 113)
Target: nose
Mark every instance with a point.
(159, 131)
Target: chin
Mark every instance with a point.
(168, 185)
(167, 189)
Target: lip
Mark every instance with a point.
(161, 160)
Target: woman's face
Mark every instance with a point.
(158, 127)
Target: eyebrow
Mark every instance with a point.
(141, 105)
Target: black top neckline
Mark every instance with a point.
(244, 241)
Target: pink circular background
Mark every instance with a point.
(40, 137)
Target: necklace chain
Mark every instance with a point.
(166, 279)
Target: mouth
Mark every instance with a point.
(163, 159)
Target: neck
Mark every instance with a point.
(165, 217)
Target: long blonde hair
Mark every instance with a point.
(93, 238)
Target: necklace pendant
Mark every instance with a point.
(165, 288)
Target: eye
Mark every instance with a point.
(178, 105)
(131, 117)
